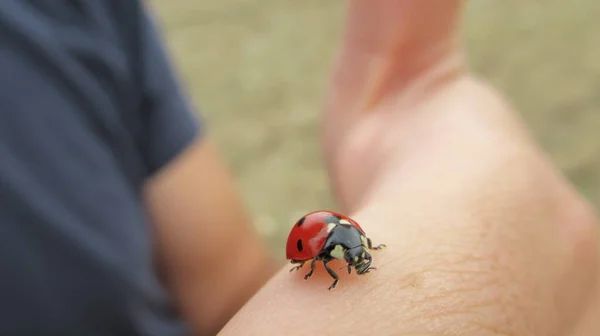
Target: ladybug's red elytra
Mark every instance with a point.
(325, 235)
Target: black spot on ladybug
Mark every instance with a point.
(299, 245)
(301, 221)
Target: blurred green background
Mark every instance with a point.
(257, 70)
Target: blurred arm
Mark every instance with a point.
(212, 258)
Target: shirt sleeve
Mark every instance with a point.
(169, 120)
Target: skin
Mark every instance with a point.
(208, 252)
(484, 235)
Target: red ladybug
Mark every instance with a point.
(326, 235)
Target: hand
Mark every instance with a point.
(484, 236)
(395, 55)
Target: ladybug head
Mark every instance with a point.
(359, 258)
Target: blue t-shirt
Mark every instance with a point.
(89, 110)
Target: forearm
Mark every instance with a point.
(448, 269)
(212, 260)
(443, 272)
(464, 256)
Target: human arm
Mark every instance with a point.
(209, 256)
(484, 236)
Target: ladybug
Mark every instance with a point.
(325, 235)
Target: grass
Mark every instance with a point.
(256, 70)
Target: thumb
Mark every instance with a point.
(386, 46)
(379, 23)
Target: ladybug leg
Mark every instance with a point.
(332, 273)
(371, 247)
(312, 269)
(349, 268)
(366, 267)
(295, 268)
